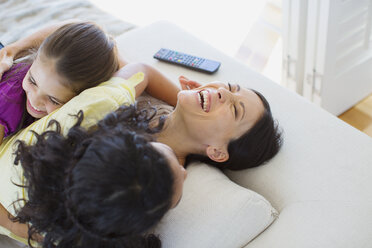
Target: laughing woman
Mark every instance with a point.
(224, 125)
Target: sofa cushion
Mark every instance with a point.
(214, 212)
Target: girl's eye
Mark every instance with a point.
(54, 102)
(31, 82)
(229, 86)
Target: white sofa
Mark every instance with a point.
(320, 182)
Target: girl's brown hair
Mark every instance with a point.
(84, 55)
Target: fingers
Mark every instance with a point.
(3, 68)
(194, 84)
(183, 82)
(5, 62)
(187, 84)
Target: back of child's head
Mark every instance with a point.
(84, 55)
(105, 187)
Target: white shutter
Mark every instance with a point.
(338, 64)
(294, 36)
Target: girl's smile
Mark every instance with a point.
(44, 89)
(36, 111)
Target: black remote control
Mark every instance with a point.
(1, 45)
(186, 60)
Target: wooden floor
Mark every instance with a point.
(360, 116)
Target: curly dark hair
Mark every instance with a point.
(102, 187)
(254, 148)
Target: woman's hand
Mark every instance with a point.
(6, 59)
(187, 84)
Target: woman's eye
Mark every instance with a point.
(234, 110)
(231, 89)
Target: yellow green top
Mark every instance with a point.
(95, 102)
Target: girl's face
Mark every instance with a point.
(179, 172)
(44, 89)
(216, 113)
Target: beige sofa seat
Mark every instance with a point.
(320, 182)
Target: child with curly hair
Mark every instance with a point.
(101, 187)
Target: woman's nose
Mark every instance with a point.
(223, 94)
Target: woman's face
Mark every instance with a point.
(44, 90)
(179, 172)
(216, 113)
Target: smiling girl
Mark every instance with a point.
(77, 56)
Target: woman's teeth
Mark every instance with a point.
(203, 100)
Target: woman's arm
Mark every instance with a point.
(154, 83)
(122, 62)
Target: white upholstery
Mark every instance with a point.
(214, 212)
(321, 181)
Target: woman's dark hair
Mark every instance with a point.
(84, 55)
(102, 187)
(255, 147)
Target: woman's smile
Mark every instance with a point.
(217, 113)
(204, 98)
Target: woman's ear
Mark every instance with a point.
(217, 154)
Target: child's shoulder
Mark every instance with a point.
(15, 74)
(12, 98)
(11, 91)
